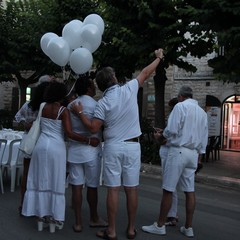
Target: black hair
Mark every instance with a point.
(56, 91)
(82, 84)
(172, 102)
(37, 97)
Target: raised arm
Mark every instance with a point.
(148, 70)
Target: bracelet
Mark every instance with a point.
(159, 58)
(80, 112)
(89, 141)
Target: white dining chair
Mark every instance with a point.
(14, 165)
(3, 144)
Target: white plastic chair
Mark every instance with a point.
(14, 163)
(3, 144)
(10, 136)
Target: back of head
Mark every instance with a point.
(55, 92)
(37, 97)
(105, 78)
(186, 92)
(172, 102)
(82, 85)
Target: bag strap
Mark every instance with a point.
(40, 109)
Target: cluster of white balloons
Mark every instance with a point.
(76, 45)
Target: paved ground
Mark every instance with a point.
(224, 172)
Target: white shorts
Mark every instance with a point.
(85, 173)
(163, 153)
(179, 169)
(122, 163)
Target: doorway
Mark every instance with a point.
(231, 124)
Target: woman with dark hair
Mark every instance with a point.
(45, 195)
(25, 117)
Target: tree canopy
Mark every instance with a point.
(223, 18)
(133, 30)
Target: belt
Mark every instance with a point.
(132, 140)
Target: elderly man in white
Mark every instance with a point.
(187, 135)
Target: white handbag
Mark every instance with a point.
(29, 141)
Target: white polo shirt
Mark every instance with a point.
(118, 108)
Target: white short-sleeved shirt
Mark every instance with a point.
(118, 108)
(187, 126)
(81, 152)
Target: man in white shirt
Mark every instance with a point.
(85, 160)
(117, 111)
(187, 135)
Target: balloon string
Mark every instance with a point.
(75, 77)
(64, 73)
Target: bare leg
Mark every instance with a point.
(165, 207)
(92, 198)
(190, 207)
(132, 205)
(77, 205)
(173, 210)
(26, 163)
(112, 208)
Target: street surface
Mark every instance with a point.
(217, 215)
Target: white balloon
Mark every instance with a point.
(81, 60)
(45, 40)
(71, 33)
(95, 19)
(91, 37)
(59, 51)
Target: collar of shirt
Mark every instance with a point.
(110, 89)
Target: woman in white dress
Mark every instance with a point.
(25, 117)
(45, 195)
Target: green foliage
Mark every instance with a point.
(22, 24)
(221, 18)
(136, 28)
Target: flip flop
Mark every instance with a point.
(104, 235)
(99, 223)
(131, 236)
(77, 229)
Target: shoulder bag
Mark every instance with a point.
(29, 141)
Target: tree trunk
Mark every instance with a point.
(22, 83)
(159, 83)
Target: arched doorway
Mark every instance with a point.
(231, 123)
